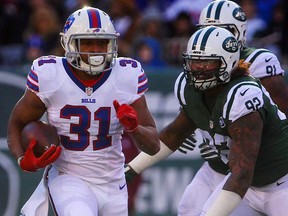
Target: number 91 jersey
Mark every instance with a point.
(84, 115)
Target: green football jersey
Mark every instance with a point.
(238, 98)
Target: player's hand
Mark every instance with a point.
(127, 115)
(188, 145)
(129, 173)
(207, 152)
(30, 163)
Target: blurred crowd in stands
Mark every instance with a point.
(154, 32)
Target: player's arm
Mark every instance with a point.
(268, 68)
(245, 134)
(172, 136)
(28, 108)
(145, 135)
(139, 124)
(278, 90)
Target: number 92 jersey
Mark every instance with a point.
(238, 98)
(84, 115)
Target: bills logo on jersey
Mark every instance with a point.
(68, 23)
(88, 100)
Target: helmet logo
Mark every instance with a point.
(96, 30)
(230, 44)
(68, 23)
(239, 14)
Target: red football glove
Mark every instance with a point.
(127, 115)
(31, 163)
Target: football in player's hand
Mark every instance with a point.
(44, 134)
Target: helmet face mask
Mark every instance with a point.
(228, 15)
(206, 74)
(212, 53)
(93, 24)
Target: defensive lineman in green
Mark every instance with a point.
(239, 98)
(263, 65)
(238, 120)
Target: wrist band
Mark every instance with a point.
(142, 161)
(19, 160)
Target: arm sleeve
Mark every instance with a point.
(143, 160)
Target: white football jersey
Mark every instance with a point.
(85, 116)
(263, 63)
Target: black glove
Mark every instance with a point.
(207, 152)
(188, 145)
(129, 173)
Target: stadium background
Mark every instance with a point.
(157, 29)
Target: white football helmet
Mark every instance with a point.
(226, 14)
(210, 45)
(89, 23)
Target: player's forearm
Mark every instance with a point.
(239, 183)
(13, 141)
(146, 138)
(143, 160)
(15, 149)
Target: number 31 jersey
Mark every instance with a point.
(84, 115)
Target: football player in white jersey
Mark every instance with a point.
(237, 119)
(90, 96)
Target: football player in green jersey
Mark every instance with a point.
(237, 119)
(263, 65)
